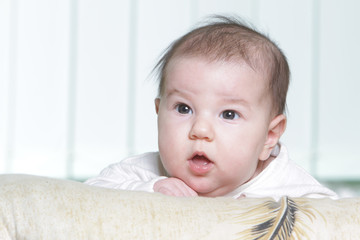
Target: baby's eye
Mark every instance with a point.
(229, 115)
(183, 109)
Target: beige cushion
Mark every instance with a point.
(33, 207)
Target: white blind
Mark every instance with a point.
(75, 91)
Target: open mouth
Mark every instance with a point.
(200, 160)
(200, 164)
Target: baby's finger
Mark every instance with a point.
(190, 192)
(170, 192)
(187, 191)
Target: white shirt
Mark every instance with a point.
(282, 177)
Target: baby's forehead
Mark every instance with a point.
(195, 68)
(211, 62)
(183, 72)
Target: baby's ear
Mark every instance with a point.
(157, 104)
(276, 129)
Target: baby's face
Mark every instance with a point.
(213, 123)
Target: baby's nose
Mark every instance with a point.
(202, 129)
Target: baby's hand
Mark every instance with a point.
(174, 187)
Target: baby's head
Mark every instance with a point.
(220, 106)
(228, 39)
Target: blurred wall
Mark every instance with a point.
(76, 92)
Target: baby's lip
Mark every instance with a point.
(199, 154)
(200, 164)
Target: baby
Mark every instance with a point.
(220, 107)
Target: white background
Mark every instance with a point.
(76, 93)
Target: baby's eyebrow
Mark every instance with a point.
(171, 92)
(237, 102)
(234, 100)
(175, 91)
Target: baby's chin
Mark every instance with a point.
(212, 194)
(208, 190)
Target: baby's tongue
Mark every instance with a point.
(200, 160)
(200, 165)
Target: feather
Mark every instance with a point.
(275, 220)
(284, 222)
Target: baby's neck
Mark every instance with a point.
(262, 165)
